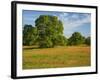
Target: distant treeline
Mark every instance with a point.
(48, 32)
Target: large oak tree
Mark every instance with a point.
(50, 31)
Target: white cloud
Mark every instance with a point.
(73, 21)
(63, 15)
(76, 22)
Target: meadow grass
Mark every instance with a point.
(68, 56)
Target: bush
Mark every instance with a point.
(76, 39)
(88, 41)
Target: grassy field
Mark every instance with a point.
(56, 57)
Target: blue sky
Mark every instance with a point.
(72, 22)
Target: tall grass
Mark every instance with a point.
(72, 56)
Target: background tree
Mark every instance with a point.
(29, 35)
(50, 30)
(88, 40)
(76, 39)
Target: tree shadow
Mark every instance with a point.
(32, 47)
(28, 48)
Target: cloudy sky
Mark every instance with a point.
(72, 22)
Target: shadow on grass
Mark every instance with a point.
(34, 47)
(31, 48)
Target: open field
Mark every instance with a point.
(71, 56)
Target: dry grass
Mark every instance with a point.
(71, 56)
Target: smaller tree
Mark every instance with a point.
(29, 35)
(76, 39)
(88, 40)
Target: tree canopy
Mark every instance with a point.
(88, 40)
(29, 35)
(76, 39)
(48, 32)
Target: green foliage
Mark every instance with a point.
(88, 40)
(50, 31)
(76, 39)
(46, 43)
(60, 40)
(29, 35)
